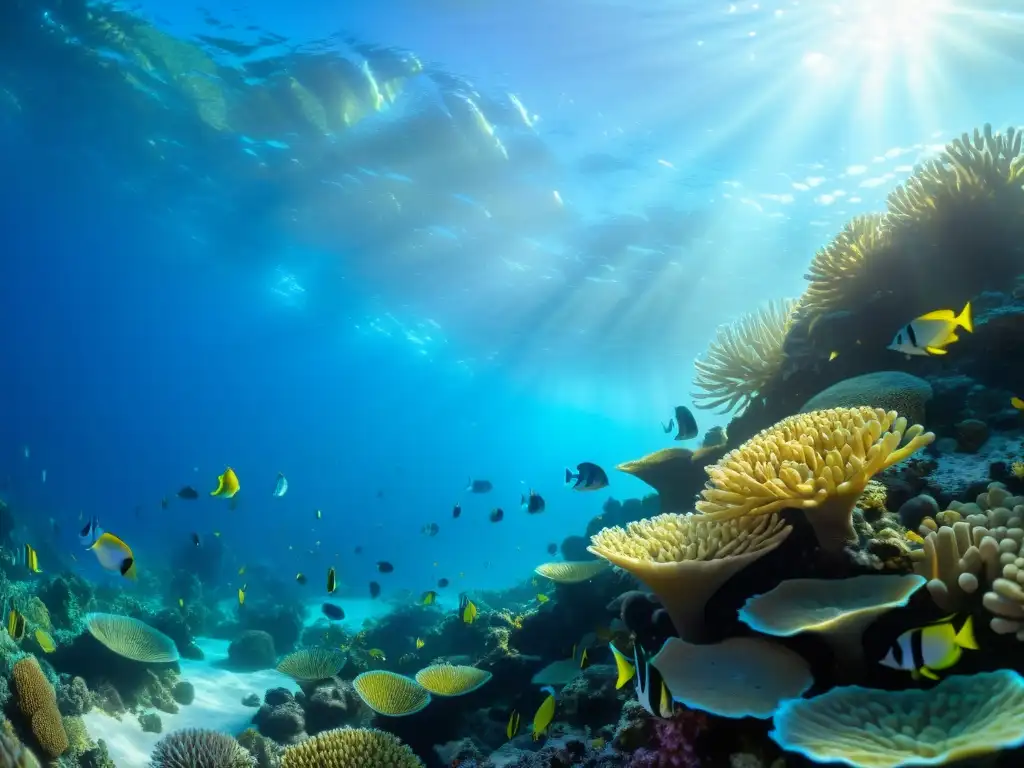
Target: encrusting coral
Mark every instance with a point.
(743, 358)
(351, 748)
(685, 559)
(964, 716)
(819, 462)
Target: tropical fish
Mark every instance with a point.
(92, 531)
(832, 355)
(319, 515)
(385, 567)
(936, 647)
(513, 725)
(241, 571)
(430, 529)
(931, 333)
(31, 559)
(442, 583)
(623, 667)
(419, 643)
(479, 486)
(195, 539)
(114, 555)
(374, 589)
(332, 580)
(532, 503)
(456, 510)
(332, 611)
(1017, 403)
(588, 477)
(45, 641)
(497, 515)
(241, 594)
(376, 653)
(227, 484)
(467, 609)
(545, 714)
(584, 659)
(667, 428)
(301, 578)
(647, 681)
(188, 493)
(428, 598)
(542, 598)
(687, 424)
(15, 624)
(281, 486)
(552, 548)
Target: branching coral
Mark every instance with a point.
(844, 259)
(962, 717)
(819, 462)
(684, 559)
(351, 748)
(743, 358)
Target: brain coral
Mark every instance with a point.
(131, 638)
(351, 748)
(962, 717)
(889, 390)
(38, 701)
(743, 358)
(194, 748)
(819, 462)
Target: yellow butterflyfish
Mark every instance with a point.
(545, 714)
(227, 484)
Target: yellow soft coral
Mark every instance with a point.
(820, 462)
(351, 748)
(743, 358)
(38, 702)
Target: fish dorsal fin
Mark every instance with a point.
(965, 637)
(943, 315)
(936, 351)
(622, 666)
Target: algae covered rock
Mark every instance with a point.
(253, 649)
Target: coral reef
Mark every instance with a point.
(192, 748)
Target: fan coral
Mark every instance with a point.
(571, 572)
(820, 462)
(743, 358)
(684, 559)
(38, 701)
(351, 748)
(451, 680)
(131, 638)
(391, 694)
(889, 390)
(312, 664)
(194, 748)
(739, 677)
(843, 260)
(962, 717)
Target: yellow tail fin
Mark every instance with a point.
(622, 666)
(964, 319)
(965, 637)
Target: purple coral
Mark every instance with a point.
(675, 740)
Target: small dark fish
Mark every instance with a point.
(385, 567)
(301, 578)
(164, 503)
(374, 589)
(666, 428)
(332, 581)
(479, 486)
(497, 515)
(90, 533)
(332, 611)
(534, 503)
(588, 477)
(442, 583)
(456, 510)
(430, 529)
(188, 492)
(195, 539)
(687, 424)
(358, 550)
(552, 548)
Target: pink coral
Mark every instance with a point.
(675, 742)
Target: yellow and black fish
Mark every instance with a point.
(31, 559)
(419, 643)
(241, 594)
(114, 555)
(227, 484)
(15, 624)
(332, 581)
(513, 725)
(428, 598)
(467, 609)
(926, 650)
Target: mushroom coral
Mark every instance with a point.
(962, 717)
(685, 559)
(739, 677)
(819, 462)
(838, 609)
(743, 358)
